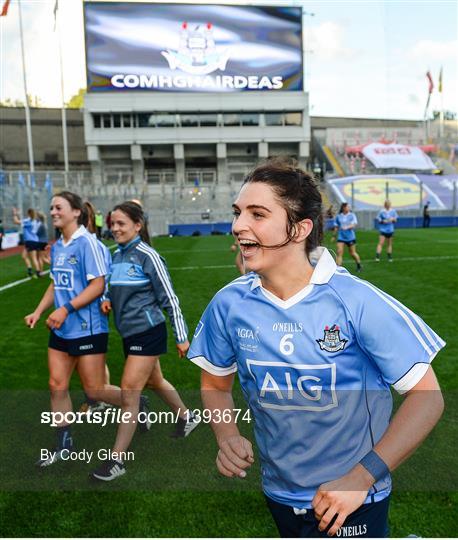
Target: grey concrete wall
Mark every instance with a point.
(46, 135)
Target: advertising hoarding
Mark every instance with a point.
(192, 48)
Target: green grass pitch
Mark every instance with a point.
(172, 489)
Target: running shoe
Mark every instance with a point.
(93, 406)
(144, 423)
(53, 456)
(109, 470)
(184, 427)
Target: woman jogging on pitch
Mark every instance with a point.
(346, 223)
(42, 246)
(315, 366)
(78, 329)
(29, 232)
(386, 218)
(140, 288)
(92, 405)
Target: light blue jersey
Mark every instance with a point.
(108, 263)
(29, 229)
(316, 371)
(343, 221)
(73, 265)
(386, 226)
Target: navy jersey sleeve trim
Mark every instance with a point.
(413, 376)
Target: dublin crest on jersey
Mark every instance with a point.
(331, 341)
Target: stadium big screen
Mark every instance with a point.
(192, 48)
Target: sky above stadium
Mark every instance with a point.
(363, 58)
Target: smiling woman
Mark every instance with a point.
(315, 367)
(78, 330)
(140, 288)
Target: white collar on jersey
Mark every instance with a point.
(324, 268)
(79, 232)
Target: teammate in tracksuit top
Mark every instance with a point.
(140, 288)
(386, 218)
(316, 350)
(78, 328)
(346, 222)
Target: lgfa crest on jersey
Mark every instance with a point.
(331, 341)
(197, 52)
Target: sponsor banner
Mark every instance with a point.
(11, 239)
(192, 48)
(397, 156)
(404, 190)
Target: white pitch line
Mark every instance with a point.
(14, 283)
(18, 282)
(400, 259)
(223, 266)
(202, 267)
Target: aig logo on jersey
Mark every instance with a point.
(63, 279)
(294, 387)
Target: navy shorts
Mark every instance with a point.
(387, 234)
(32, 246)
(42, 245)
(368, 521)
(153, 342)
(347, 242)
(94, 344)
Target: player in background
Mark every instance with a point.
(331, 224)
(98, 217)
(29, 228)
(315, 366)
(89, 404)
(140, 289)
(2, 234)
(78, 328)
(346, 222)
(386, 218)
(42, 234)
(238, 258)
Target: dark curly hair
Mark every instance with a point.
(297, 192)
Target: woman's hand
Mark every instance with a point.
(57, 318)
(340, 498)
(105, 307)
(32, 319)
(182, 348)
(234, 456)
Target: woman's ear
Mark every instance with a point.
(302, 230)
